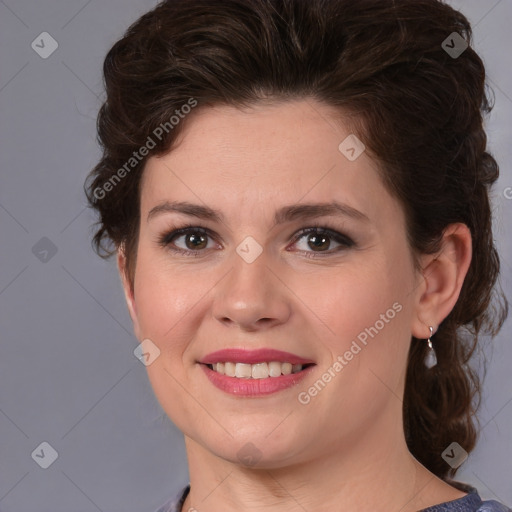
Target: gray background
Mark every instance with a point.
(68, 375)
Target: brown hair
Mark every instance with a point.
(417, 109)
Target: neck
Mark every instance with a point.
(368, 473)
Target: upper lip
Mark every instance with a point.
(240, 355)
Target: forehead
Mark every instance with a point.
(270, 154)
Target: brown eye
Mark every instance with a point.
(187, 240)
(319, 240)
(195, 241)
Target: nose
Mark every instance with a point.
(251, 297)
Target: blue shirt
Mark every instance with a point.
(469, 503)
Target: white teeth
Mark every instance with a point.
(274, 369)
(229, 369)
(256, 371)
(286, 368)
(243, 370)
(259, 371)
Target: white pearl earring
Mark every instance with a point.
(430, 358)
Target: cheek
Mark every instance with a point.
(165, 303)
(348, 300)
(363, 315)
(163, 298)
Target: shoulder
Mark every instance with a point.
(176, 503)
(471, 502)
(493, 506)
(483, 506)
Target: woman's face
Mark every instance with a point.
(345, 300)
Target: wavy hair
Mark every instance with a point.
(418, 110)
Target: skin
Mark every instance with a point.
(347, 444)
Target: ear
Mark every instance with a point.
(128, 291)
(442, 278)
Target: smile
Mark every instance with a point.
(256, 371)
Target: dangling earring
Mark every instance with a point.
(430, 358)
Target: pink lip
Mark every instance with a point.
(262, 355)
(254, 387)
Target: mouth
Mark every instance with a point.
(263, 370)
(251, 373)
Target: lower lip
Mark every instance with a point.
(254, 387)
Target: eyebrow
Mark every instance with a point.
(285, 214)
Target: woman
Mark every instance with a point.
(298, 195)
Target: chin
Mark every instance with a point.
(259, 450)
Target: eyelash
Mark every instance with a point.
(165, 239)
